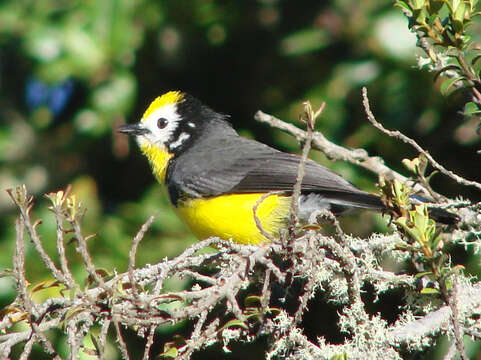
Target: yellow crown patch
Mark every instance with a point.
(170, 97)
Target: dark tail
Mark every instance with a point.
(443, 216)
(342, 201)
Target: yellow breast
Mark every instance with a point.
(231, 216)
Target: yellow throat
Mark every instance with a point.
(158, 159)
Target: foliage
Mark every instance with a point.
(442, 29)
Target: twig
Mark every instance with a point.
(133, 250)
(27, 349)
(196, 338)
(28, 306)
(259, 225)
(82, 249)
(472, 332)
(397, 134)
(310, 120)
(266, 290)
(451, 352)
(104, 330)
(470, 297)
(25, 203)
(58, 199)
(335, 152)
(74, 340)
(195, 275)
(451, 300)
(120, 340)
(45, 343)
(150, 341)
(348, 267)
(19, 266)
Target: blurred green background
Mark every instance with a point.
(71, 71)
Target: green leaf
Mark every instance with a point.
(455, 269)
(435, 6)
(273, 310)
(475, 59)
(420, 15)
(435, 242)
(454, 67)
(252, 300)
(459, 12)
(418, 4)
(45, 285)
(342, 356)
(471, 109)
(421, 274)
(234, 323)
(429, 291)
(169, 354)
(96, 344)
(403, 5)
(448, 83)
(411, 165)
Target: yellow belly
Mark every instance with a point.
(231, 216)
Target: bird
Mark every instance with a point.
(216, 179)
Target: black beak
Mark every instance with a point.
(133, 129)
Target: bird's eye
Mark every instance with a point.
(162, 123)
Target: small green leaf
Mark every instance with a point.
(411, 164)
(253, 300)
(475, 59)
(72, 312)
(420, 15)
(45, 285)
(471, 109)
(435, 6)
(273, 310)
(455, 269)
(403, 5)
(418, 4)
(429, 291)
(342, 356)
(428, 178)
(435, 242)
(448, 83)
(459, 12)
(234, 323)
(421, 274)
(171, 353)
(96, 344)
(453, 67)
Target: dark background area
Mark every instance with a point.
(71, 71)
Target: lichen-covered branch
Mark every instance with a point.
(320, 260)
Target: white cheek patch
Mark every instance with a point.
(182, 137)
(162, 136)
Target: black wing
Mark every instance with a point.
(234, 164)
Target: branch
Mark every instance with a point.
(335, 152)
(397, 134)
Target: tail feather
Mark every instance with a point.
(342, 202)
